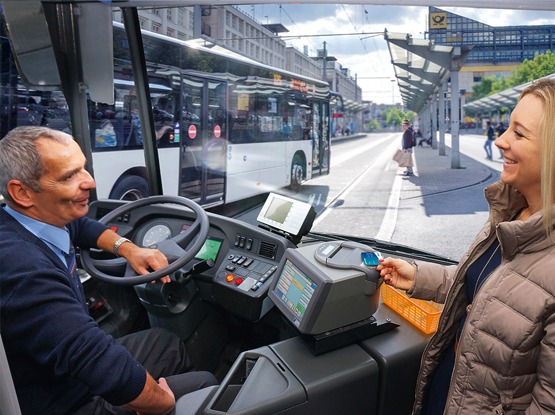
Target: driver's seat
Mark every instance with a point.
(9, 405)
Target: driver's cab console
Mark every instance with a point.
(233, 268)
(344, 353)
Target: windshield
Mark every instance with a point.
(309, 106)
(292, 199)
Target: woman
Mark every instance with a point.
(494, 352)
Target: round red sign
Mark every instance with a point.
(192, 131)
(217, 131)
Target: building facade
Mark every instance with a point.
(232, 28)
(176, 22)
(497, 50)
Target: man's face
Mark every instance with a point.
(405, 126)
(65, 185)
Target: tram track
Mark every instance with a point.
(339, 198)
(344, 159)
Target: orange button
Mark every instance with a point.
(238, 280)
(229, 277)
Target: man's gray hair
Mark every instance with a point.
(20, 159)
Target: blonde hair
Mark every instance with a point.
(544, 90)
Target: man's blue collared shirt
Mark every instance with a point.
(56, 238)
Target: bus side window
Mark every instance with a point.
(285, 129)
(103, 129)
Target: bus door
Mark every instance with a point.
(204, 141)
(320, 138)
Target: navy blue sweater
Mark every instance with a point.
(58, 356)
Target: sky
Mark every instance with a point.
(357, 30)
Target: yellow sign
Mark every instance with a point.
(438, 20)
(243, 102)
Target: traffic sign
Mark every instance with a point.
(192, 132)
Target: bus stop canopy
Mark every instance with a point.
(421, 66)
(498, 101)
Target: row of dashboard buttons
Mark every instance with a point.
(239, 260)
(263, 278)
(243, 242)
(255, 283)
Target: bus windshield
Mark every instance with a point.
(275, 179)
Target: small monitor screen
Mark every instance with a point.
(286, 214)
(278, 210)
(210, 249)
(295, 289)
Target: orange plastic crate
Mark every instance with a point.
(423, 314)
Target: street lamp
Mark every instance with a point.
(392, 91)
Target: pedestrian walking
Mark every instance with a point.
(490, 132)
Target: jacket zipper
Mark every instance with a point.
(428, 345)
(449, 392)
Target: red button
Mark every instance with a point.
(238, 281)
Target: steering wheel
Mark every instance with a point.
(177, 249)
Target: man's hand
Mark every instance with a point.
(155, 399)
(142, 260)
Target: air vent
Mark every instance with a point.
(268, 250)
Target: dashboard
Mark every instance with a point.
(235, 266)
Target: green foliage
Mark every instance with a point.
(483, 89)
(372, 125)
(542, 65)
(393, 117)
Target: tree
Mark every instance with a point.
(393, 117)
(483, 89)
(542, 65)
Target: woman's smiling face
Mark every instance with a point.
(521, 148)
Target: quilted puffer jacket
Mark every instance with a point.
(505, 360)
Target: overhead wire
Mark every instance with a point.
(354, 26)
(281, 8)
(366, 15)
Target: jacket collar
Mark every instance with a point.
(515, 236)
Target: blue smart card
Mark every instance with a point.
(371, 259)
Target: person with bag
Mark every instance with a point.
(494, 351)
(406, 146)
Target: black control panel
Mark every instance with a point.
(247, 273)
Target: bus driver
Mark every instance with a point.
(61, 361)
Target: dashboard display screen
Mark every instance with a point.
(286, 214)
(210, 249)
(295, 289)
(278, 210)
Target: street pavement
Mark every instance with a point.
(441, 209)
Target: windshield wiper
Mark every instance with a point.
(381, 246)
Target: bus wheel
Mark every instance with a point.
(130, 187)
(296, 176)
